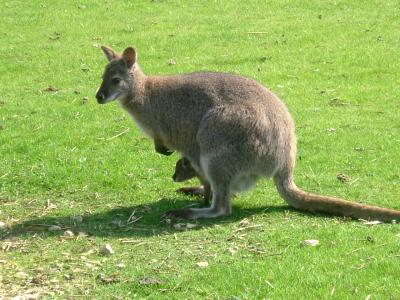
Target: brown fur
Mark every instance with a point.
(232, 129)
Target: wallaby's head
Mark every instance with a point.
(118, 75)
(183, 170)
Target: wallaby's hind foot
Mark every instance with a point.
(196, 213)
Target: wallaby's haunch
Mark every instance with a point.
(184, 171)
(232, 129)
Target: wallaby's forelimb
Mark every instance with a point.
(202, 190)
(192, 190)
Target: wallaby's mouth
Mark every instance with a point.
(102, 99)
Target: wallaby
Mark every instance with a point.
(231, 128)
(184, 171)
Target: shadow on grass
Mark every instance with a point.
(129, 221)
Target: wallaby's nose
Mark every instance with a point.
(100, 97)
(174, 177)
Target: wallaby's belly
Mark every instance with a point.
(244, 182)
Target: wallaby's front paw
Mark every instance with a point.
(167, 152)
(193, 190)
(179, 214)
(163, 150)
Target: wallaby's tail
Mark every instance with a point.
(309, 202)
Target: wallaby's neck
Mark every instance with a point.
(138, 89)
(135, 102)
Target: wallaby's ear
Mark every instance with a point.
(110, 53)
(129, 56)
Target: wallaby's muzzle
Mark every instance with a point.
(101, 98)
(178, 178)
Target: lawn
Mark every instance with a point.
(76, 176)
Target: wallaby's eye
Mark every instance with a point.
(116, 80)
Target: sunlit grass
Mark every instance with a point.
(333, 62)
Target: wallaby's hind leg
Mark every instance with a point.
(207, 193)
(221, 206)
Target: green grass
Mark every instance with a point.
(335, 64)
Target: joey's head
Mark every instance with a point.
(118, 76)
(183, 170)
